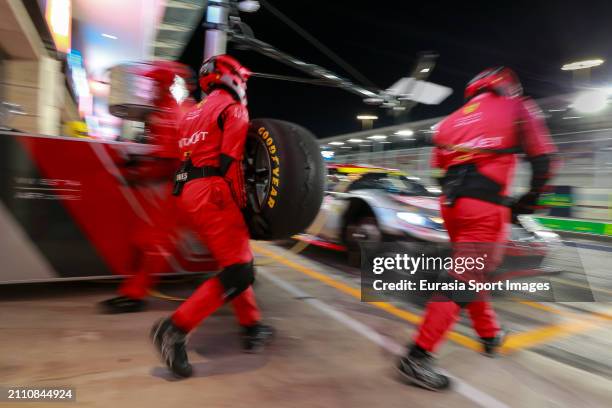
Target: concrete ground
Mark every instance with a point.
(331, 350)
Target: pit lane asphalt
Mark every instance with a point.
(554, 330)
(52, 335)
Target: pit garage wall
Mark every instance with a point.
(60, 224)
(37, 87)
(31, 77)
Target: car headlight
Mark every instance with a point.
(432, 222)
(412, 218)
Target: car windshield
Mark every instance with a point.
(393, 183)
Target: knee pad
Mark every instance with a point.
(236, 279)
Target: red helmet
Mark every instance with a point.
(168, 74)
(224, 71)
(165, 71)
(501, 80)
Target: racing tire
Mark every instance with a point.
(284, 179)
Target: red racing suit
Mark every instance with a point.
(154, 239)
(217, 127)
(484, 133)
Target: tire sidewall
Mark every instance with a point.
(296, 178)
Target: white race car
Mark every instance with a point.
(369, 204)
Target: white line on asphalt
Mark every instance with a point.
(460, 386)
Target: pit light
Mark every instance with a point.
(367, 117)
(573, 66)
(404, 132)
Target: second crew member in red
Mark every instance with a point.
(476, 149)
(154, 239)
(210, 190)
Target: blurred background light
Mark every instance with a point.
(367, 120)
(59, 18)
(99, 88)
(404, 132)
(591, 101)
(572, 66)
(373, 101)
(248, 6)
(377, 137)
(327, 154)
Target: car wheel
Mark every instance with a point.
(284, 178)
(362, 230)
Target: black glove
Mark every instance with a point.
(526, 204)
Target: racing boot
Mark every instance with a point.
(417, 367)
(491, 345)
(170, 341)
(256, 337)
(122, 304)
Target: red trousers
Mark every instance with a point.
(154, 242)
(467, 221)
(150, 263)
(216, 218)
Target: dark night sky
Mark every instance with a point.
(381, 40)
